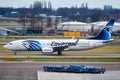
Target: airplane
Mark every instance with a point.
(55, 45)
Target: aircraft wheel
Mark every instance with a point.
(59, 52)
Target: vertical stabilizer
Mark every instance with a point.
(105, 32)
(110, 23)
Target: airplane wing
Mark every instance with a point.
(61, 48)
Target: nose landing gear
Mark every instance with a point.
(59, 52)
(15, 53)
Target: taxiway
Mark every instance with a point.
(34, 71)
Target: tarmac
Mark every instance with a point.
(34, 71)
(62, 56)
(109, 75)
(29, 70)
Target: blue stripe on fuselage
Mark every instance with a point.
(32, 45)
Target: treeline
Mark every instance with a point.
(36, 8)
(79, 14)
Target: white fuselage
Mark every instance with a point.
(38, 45)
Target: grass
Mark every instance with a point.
(102, 50)
(79, 60)
(117, 40)
(66, 59)
(3, 50)
(8, 39)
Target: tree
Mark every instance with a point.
(24, 21)
(37, 7)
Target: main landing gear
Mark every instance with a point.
(59, 52)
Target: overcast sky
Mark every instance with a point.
(61, 3)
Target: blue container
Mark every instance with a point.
(74, 69)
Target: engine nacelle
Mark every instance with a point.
(47, 50)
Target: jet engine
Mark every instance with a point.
(47, 50)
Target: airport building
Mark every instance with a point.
(98, 25)
(44, 25)
(74, 26)
(85, 27)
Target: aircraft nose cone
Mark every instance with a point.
(5, 46)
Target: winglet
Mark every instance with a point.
(77, 40)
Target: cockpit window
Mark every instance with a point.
(10, 43)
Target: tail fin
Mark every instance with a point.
(105, 32)
(110, 23)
